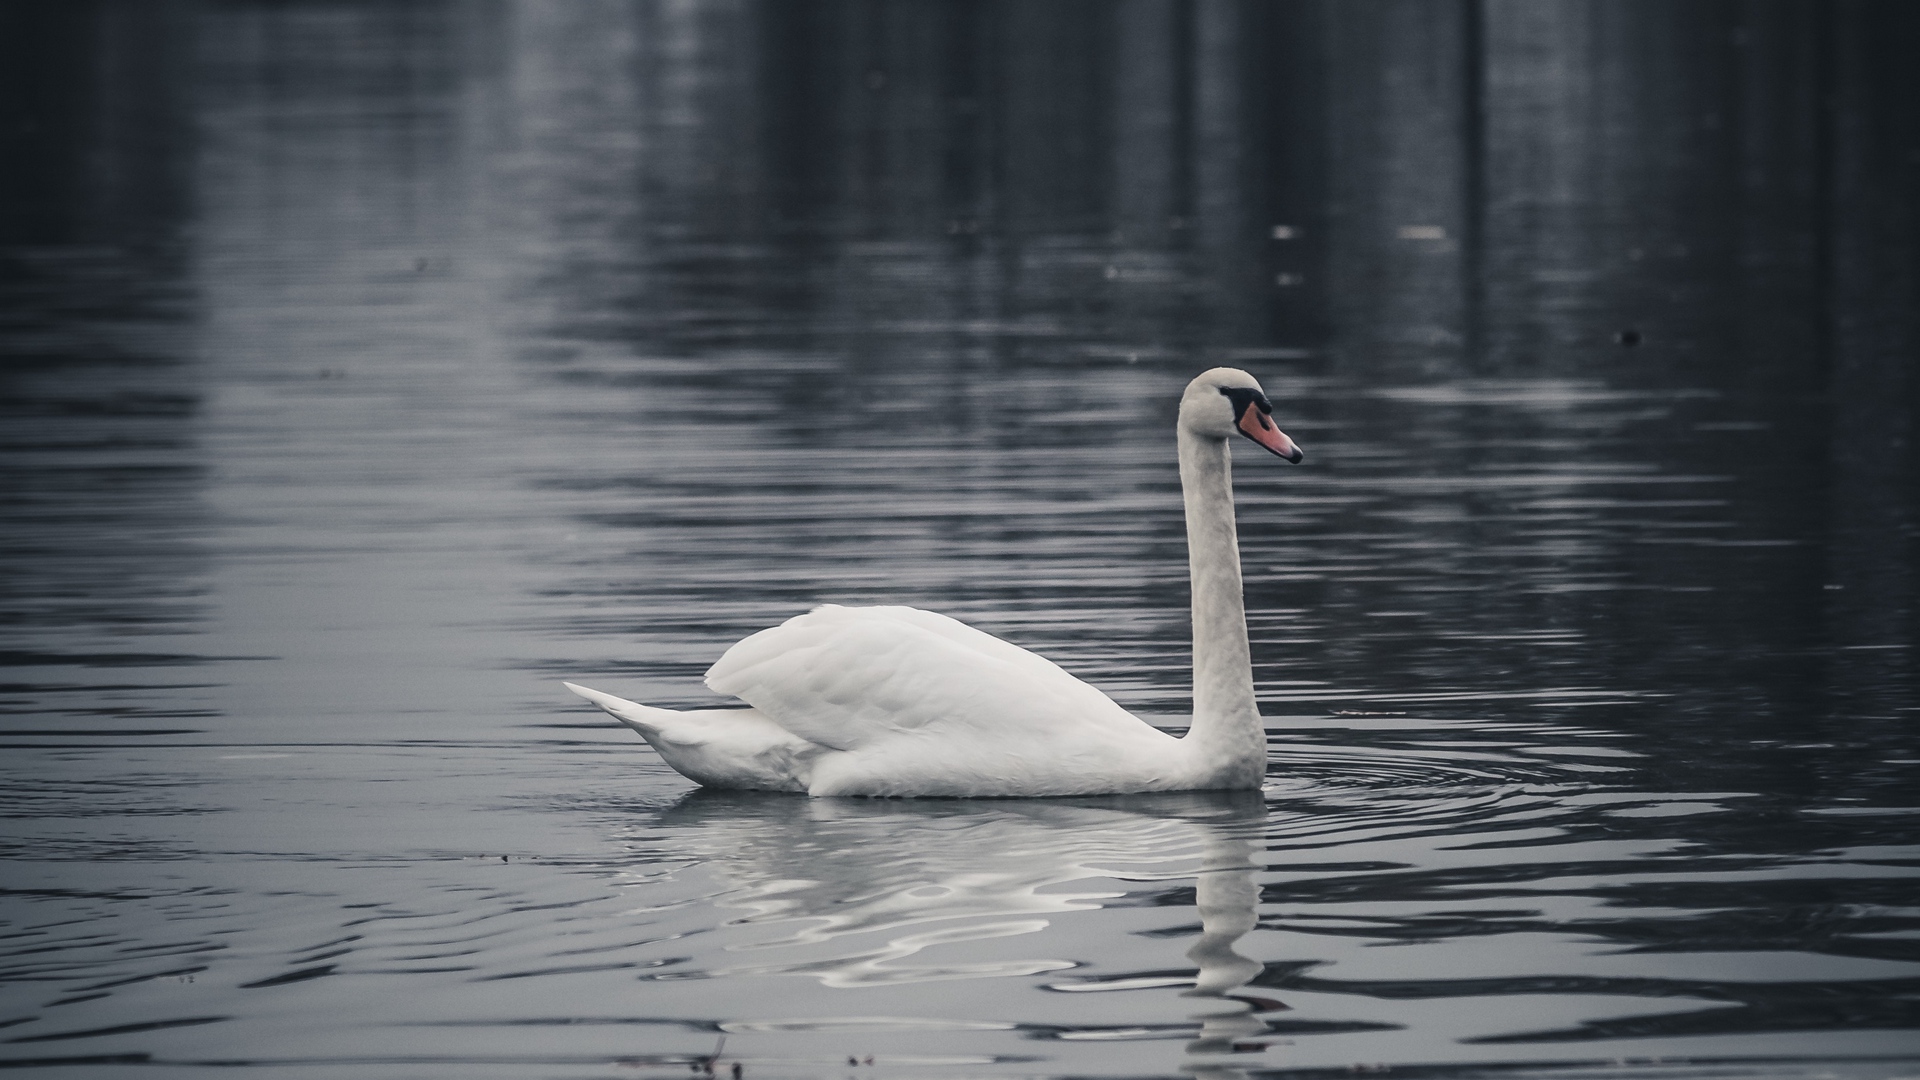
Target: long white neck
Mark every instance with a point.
(1226, 722)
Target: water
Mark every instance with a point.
(370, 369)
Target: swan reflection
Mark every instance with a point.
(858, 893)
(1228, 897)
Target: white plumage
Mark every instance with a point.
(899, 701)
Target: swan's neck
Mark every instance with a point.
(1226, 723)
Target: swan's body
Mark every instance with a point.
(898, 701)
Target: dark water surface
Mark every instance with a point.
(370, 368)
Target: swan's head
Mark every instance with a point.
(1226, 401)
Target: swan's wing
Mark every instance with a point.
(848, 677)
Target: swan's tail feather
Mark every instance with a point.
(725, 748)
(645, 719)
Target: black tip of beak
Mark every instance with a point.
(1297, 456)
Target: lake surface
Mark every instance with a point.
(369, 369)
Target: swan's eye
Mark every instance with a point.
(1243, 396)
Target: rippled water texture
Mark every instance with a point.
(370, 368)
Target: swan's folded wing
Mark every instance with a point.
(848, 677)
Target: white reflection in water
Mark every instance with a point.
(860, 894)
(856, 893)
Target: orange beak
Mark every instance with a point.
(1258, 426)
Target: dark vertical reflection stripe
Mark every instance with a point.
(101, 477)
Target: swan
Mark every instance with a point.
(895, 701)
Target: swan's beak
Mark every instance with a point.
(1258, 426)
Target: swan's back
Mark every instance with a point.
(900, 679)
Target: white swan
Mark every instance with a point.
(898, 701)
